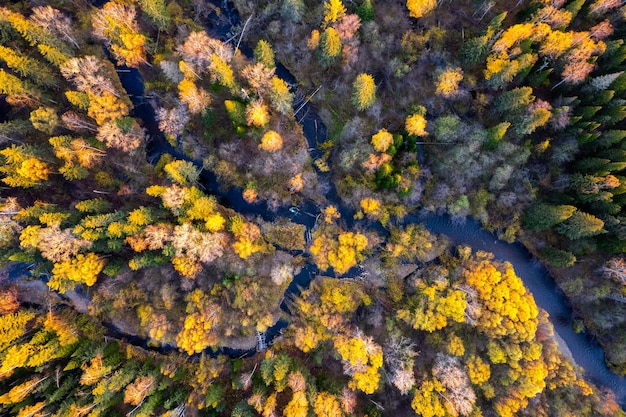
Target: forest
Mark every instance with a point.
(213, 208)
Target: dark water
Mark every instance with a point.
(585, 351)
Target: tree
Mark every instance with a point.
(329, 48)
(506, 309)
(196, 98)
(158, 13)
(27, 67)
(420, 8)
(115, 23)
(364, 94)
(44, 119)
(124, 134)
(416, 125)
(271, 141)
(280, 96)
(334, 10)
(55, 22)
(264, 54)
(292, 10)
(448, 82)
(544, 216)
(257, 114)
(581, 225)
(82, 269)
(22, 167)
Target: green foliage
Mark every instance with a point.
(545, 216)
(581, 225)
(365, 11)
(558, 258)
(158, 13)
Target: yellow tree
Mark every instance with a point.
(506, 308)
(334, 10)
(448, 82)
(364, 91)
(271, 141)
(115, 23)
(420, 8)
(22, 168)
(416, 125)
(83, 269)
(382, 140)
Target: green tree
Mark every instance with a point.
(264, 54)
(292, 10)
(581, 225)
(544, 216)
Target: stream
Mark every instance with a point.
(584, 350)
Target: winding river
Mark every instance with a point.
(585, 351)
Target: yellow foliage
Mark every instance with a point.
(105, 107)
(215, 222)
(416, 125)
(428, 400)
(186, 266)
(455, 346)
(382, 140)
(327, 405)
(81, 269)
(419, 8)
(314, 40)
(371, 207)
(196, 98)
(197, 333)
(257, 114)
(333, 11)
(330, 214)
(271, 142)
(364, 91)
(298, 406)
(366, 381)
(448, 82)
(341, 255)
(508, 310)
(139, 389)
(33, 169)
(478, 370)
(296, 183)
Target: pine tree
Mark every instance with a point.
(545, 216)
(581, 225)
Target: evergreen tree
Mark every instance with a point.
(581, 225)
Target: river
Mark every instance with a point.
(584, 350)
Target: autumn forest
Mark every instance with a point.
(216, 208)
